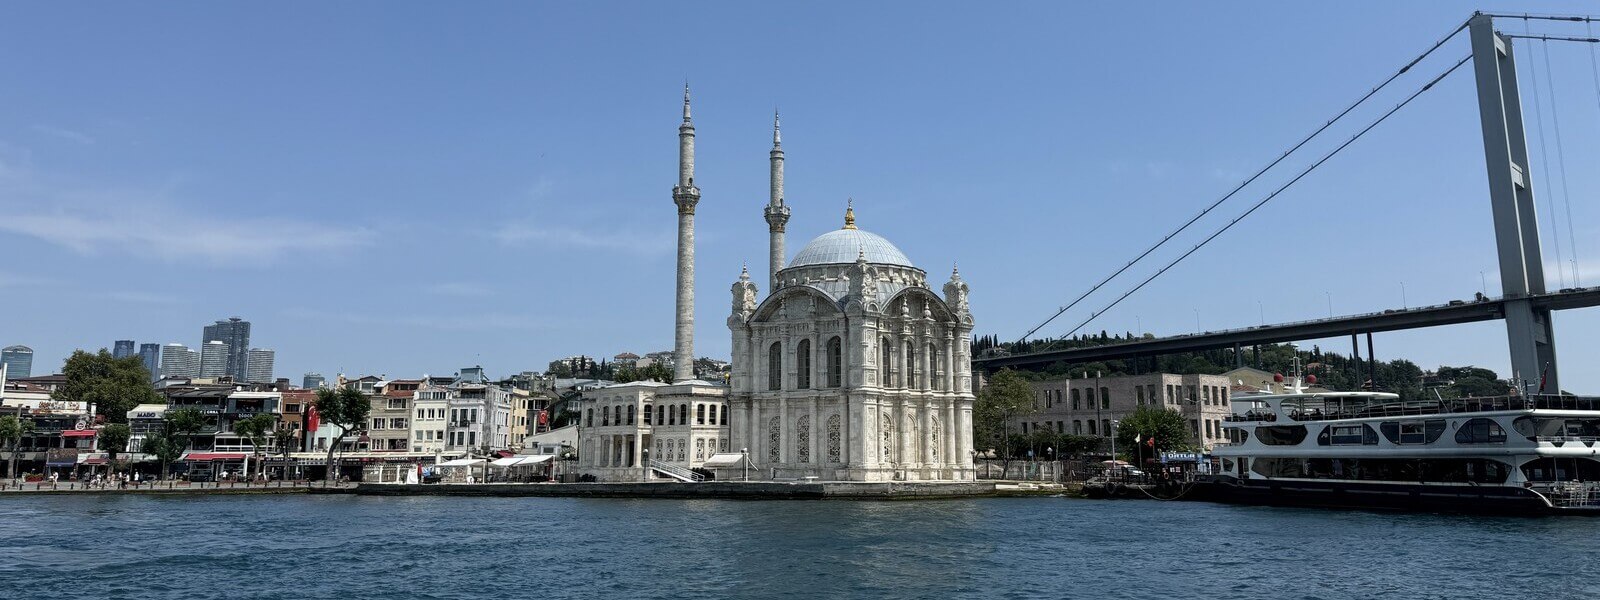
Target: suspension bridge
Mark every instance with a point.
(1527, 300)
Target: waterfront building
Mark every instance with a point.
(479, 420)
(428, 425)
(391, 416)
(144, 421)
(633, 431)
(214, 359)
(296, 406)
(258, 366)
(218, 446)
(178, 360)
(313, 381)
(151, 355)
(235, 332)
(1090, 405)
(63, 434)
(18, 361)
(122, 349)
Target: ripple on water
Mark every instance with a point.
(447, 548)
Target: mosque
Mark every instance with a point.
(851, 368)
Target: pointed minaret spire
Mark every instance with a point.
(686, 101)
(850, 213)
(776, 213)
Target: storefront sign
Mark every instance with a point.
(61, 457)
(47, 407)
(1167, 457)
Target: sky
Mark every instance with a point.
(397, 188)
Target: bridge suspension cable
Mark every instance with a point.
(1275, 193)
(1403, 70)
(1544, 159)
(1561, 157)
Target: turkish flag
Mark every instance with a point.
(312, 420)
(1151, 442)
(544, 417)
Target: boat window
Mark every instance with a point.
(1281, 435)
(1348, 435)
(1431, 470)
(1480, 431)
(1561, 469)
(1412, 432)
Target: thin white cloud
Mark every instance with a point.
(185, 238)
(458, 288)
(619, 240)
(136, 297)
(149, 223)
(476, 322)
(65, 134)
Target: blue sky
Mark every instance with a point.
(398, 189)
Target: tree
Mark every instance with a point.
(114, 439)
(164, 447)
(182, 424)
(12, 430)
(656, 372)
(1007, 397)
(112, 385)
(1167, 427)
(626, 375)
(345, 408)
(259, 429)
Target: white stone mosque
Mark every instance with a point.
(850, 369)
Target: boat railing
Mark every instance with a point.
(1449, 406)
(1570, 494)
(1561, 439)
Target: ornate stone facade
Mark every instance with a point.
(864, 346)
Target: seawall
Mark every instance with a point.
(708, 489)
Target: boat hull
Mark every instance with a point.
(1474, 499)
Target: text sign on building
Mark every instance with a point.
(1167, 457)
(45, 407)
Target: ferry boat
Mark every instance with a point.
(1518, 454)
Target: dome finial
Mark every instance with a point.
(861, 253)
(850, 213)
(777, 140)
(744, 272)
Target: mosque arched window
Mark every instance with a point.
(683, 414)
(885, 372)
(802, 365)
(933, 366)
(835, 361)
(713, 418)
(802, 439)
(647, 414)
(590, 421)
(605, 416)
(630, 414)
(911, 366)
(833, 439)
(699, 414)
(774, 439)
(672, 416)
(775, 367)
(724, 417)
(661, 414)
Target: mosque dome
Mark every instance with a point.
(843, 246)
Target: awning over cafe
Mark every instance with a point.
(724, 460)
(79, 433)
(519, 461)
(209, 456)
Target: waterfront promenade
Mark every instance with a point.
(755, 490)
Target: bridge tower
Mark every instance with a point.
(1516, 227)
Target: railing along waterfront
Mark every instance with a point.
(1430, 407)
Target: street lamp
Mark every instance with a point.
(644, 464)
(744, 454)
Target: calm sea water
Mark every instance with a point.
(356, 547)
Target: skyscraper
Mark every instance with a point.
(122, 349)
(313, 381)
(18, 361)
(235, 332)
(259, 367)
(177, 360)
(151, 354)
(214, 359)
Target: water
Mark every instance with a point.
(359, 547)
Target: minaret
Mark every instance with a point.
(777, 214)
(686, 196)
